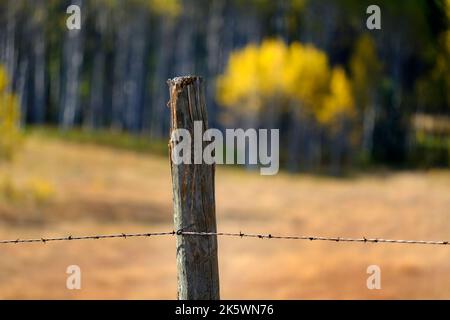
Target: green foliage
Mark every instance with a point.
(433, 89)
(430, 151)
(108, 138)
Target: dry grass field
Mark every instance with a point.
(60, 188)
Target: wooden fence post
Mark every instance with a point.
(193, 198)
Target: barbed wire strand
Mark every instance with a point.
(223, 234)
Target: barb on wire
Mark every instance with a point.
(316, 238)
(89, 237)
(223, 234)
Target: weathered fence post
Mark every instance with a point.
(193, 197)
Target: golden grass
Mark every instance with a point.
(104, 190)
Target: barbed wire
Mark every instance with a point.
(223, 234)
(89, 237)
(317, 238)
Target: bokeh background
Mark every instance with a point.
(364, 119)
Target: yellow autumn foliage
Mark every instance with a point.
(167, 8)
(10, 136)
(297, 73)
(170, 8)
(306, 75)
(239, 86)
(365, 69)
(447, 9)
(340, 100)
(3, 79)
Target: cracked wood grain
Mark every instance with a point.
(193, 198)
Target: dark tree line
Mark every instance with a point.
(112, 73)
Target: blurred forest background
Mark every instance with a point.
(341, 94)
(84, 131)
